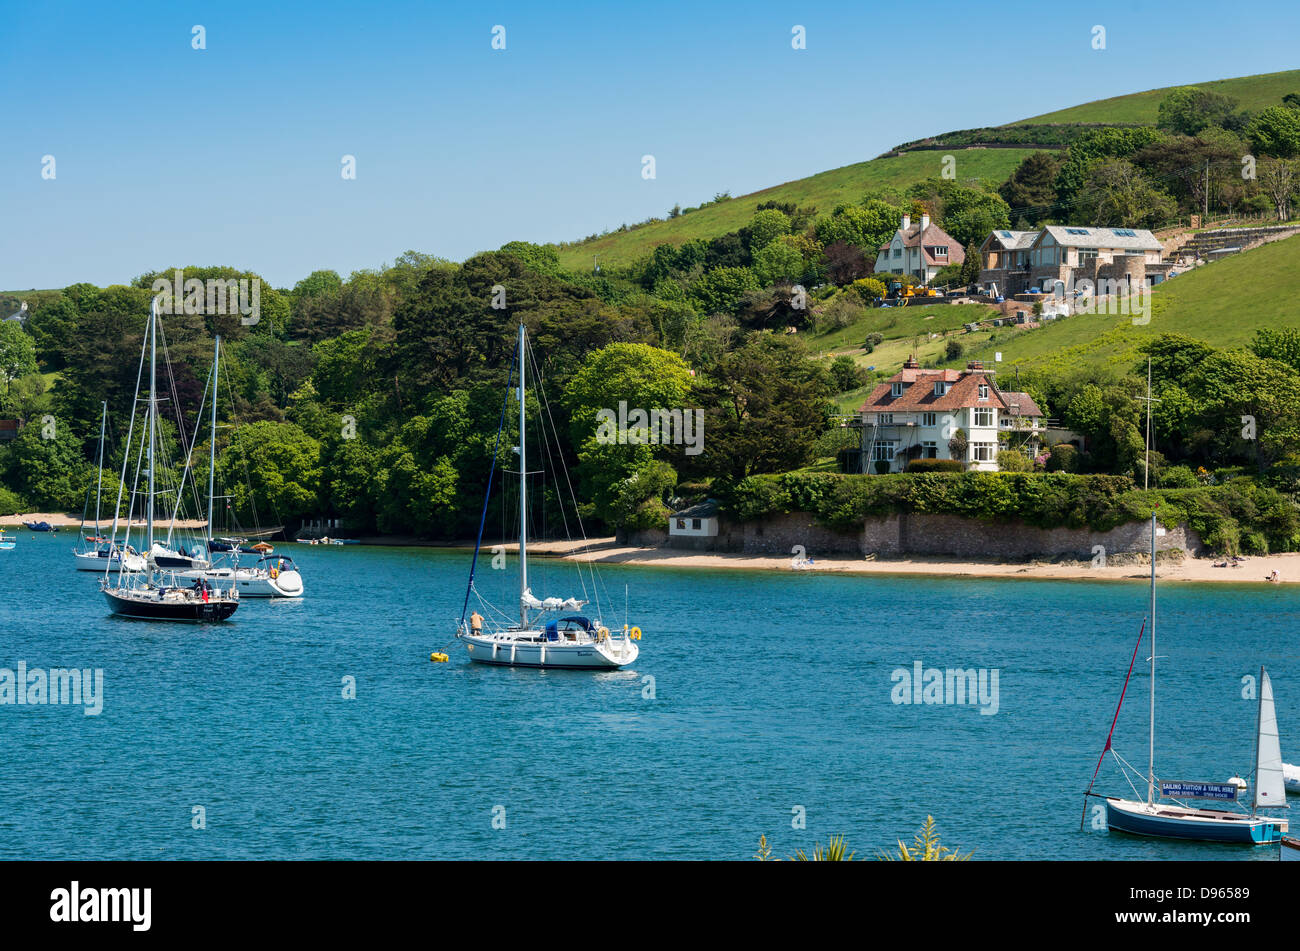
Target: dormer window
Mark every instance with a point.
(940, 388)
(984, 391)
(897, 389)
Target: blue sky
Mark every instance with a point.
(167, 156)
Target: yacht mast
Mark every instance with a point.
(212, 448)
(153, 408)
(523, 492)
(99, 491)
(1151, 754)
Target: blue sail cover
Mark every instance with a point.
(583, 622)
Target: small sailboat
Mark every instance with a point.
(1174, 819)
(95, 553)
(6, 541)
(1290, 849)
(143, 589)
(271, 576)
(550, 632)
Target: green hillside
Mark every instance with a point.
(824, 191)
(1251, 92)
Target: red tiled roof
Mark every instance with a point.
(919, 395)
(933, 235)
(1024, 402)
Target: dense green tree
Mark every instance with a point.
(1189, 109)
(1276, 132)
(1030, 192)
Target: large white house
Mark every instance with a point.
(916, 413)
(920, 250)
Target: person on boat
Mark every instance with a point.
(476, 623)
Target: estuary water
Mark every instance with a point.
(760, 702)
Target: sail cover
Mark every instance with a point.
(550, 604)
(1269, 788)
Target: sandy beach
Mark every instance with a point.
(1252, 570)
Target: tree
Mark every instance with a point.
(1117, 194)
(778, 261)
(50, 473)
(765, 404)
(1276, 131)
(721, 290)
(845, 263)
(272, 467)
(765, 227)
(17, 353)
(1189, 109)
(641, 376)
(1279, 179)
(1031, 190)
(865, 226)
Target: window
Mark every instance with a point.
(984, 416)
(695, 523)
(681, 524)
(939, 251)
(928, 419)
(897, 389)
(898, 252)
(983, 451)
(885, 419)
(1125, 233)
(984, 391)
(884, 450)
(940, 388)
(1087, 254)
(930, 450)
(1076, 230)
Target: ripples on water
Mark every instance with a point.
(771, 691)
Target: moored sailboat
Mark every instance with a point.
(566, 639)
(142, 589)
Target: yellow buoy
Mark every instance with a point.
(438, 657)
(601, 634)
(636, 633)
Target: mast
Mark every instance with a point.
(153, 407)
(212, 449)
(523, 493)
(1151, 755)
(99, 491)
(1259, 726)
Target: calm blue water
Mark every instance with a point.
(772, 690)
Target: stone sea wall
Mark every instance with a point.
(929, 534)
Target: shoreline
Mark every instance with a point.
(605, 551)
(1135, 568)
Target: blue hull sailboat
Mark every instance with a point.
(1174, 819)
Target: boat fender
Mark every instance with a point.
(275, 573)
(602, 634)
(438, 657)
(636, 633)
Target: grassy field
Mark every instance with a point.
(823, 191)
(1251, 92)
(1223, 303)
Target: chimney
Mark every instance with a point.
(975, 365)
(911, 363)
(925, 222)
(907, 222)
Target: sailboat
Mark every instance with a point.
(143, 589)
(271, 576)
(550, 632)
(6, 541)
(96, 552)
